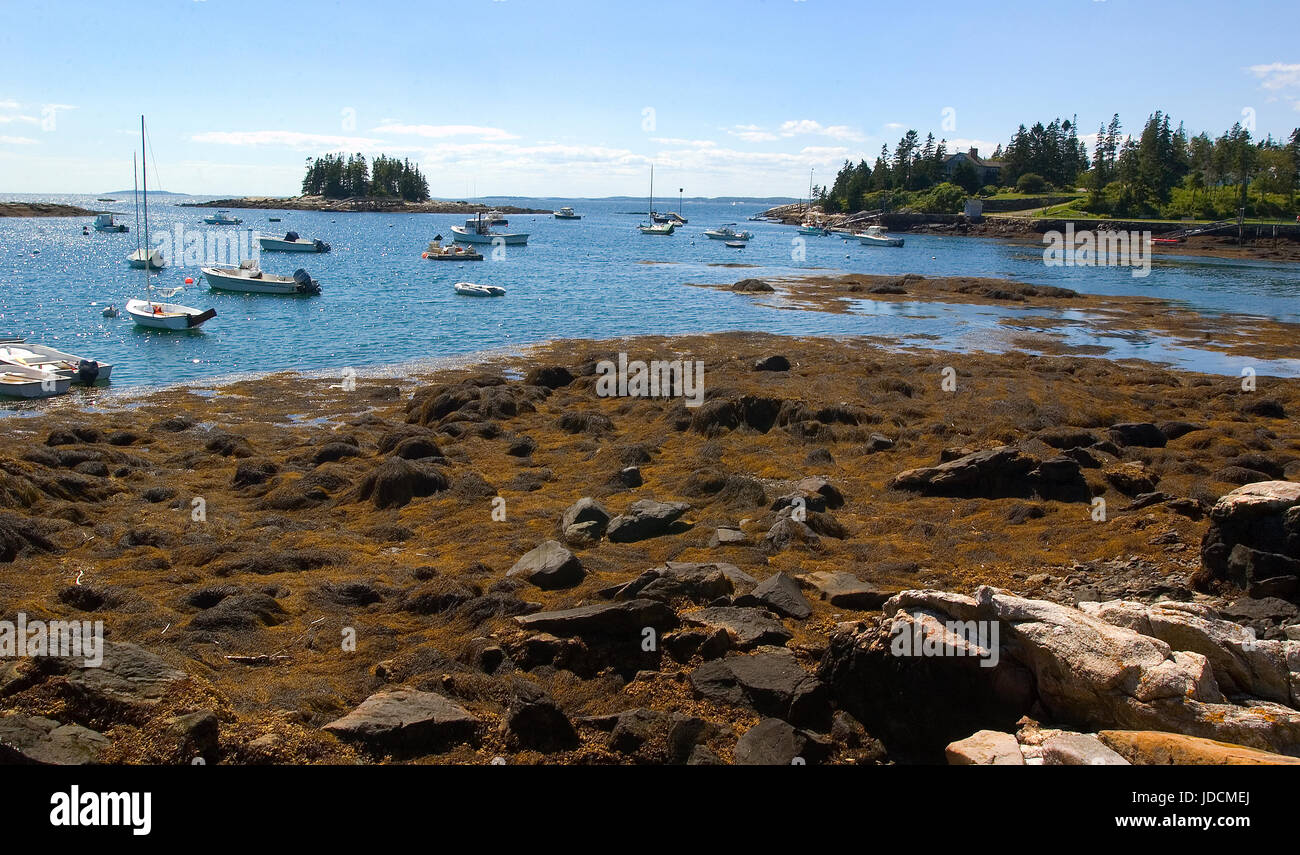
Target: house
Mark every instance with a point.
(989, 171)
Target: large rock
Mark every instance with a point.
(690, 581)
(748, 627)
(985, 748)
(781, 594)
(846, 591)
(27, 739)
(627, 618)
(1242, 664)
(1142, 434)
(1079, 749)
(645, 518)
(1084, 671)
(585, 510)
(408, 721)
(534, 721)
(996, 473)
(773, 742)
(1153, 748)
(1253, 542)
(127, 675)
(549, 566)
(770, 682)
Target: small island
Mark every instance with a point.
(336, 183)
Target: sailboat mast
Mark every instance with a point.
(650, 212)
(144, 174)
(135, 192)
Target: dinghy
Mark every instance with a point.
(291, 243)
(728, 233)
(248, 278)
(104, 223)
(470, 289)
(19, 352)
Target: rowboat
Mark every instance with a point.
(876, 236)
(19, 352)
(470, 289)
(137, 260)
(728, 233)
(247, 278)
(567, 214)
(17, 381)
(104, 223)
(736, 244)
(477, 230)
(450, 252)
(222, 218)
(291, 243)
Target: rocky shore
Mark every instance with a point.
(42, 209)
(359, 205)
(847, 554)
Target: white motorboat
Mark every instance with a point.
(291, 242)
(728, 233)
(17, 381)
(248, 278)
(655, 227)
(876, 236)
(496, 218)
(104, 223)
(222, 218)
(19, 352)
(470, 289)
(567, 213)
(478, 230)
(137, 260)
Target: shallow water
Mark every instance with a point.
(384, 305)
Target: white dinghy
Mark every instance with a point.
(17, 351)
(19, 381)
(471, 289)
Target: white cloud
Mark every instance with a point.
(986, 147)
(17, 141)
(894, 126)
(752, 133)
(1277, 76)
(681, 142)
(289, 139)
(807, 127)
(444, 131)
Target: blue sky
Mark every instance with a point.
(575, 98)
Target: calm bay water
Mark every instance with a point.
(384, 305)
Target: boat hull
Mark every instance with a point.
(464, 235)
(137, 260)
(282, 245)
(168, 317)
(219, 280)
(40, 357)
(17, 386)
(468, 289)
(866, 240)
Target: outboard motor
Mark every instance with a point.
(290, 235)
(87, 372)
(322, 246)
(306, 285)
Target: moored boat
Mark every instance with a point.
(813, 229)
(728, 233)
(471, 289)
(438, 251)
(17, 351)
(567, 213)
(137, 260)
(248, 278)
(291, 242)
(222, 218)
(167, 316)
(477, 230)
(104, 223)
(876, 236)
(17, 381)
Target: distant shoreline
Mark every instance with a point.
(42, 209)
(359, 205)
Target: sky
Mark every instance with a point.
(576, 98)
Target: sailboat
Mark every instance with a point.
(655, 228)
(141, 257)
(149, 312)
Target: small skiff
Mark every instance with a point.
(470, 289)
(167, 316)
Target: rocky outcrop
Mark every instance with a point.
(996, 473)
(645, 518)
(405, 720)
(1253, 542)
(992, 658)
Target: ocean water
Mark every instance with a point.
(383, 305)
